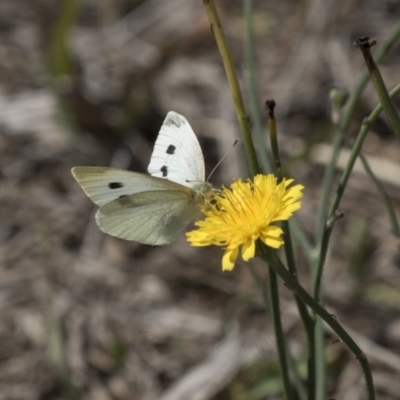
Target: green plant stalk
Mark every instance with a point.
(229, 66)
(279, 334)
(273, 282)
(341, 187)
(273, 309)
(297, 377)
(326, 189)
(56, 347)
(255, 112)
(259, 282)
(59, 62)
(344, 123)
(59, 55)
(345, 119)
(271, 258)
(257, 279)
(316, 266)
(308, 322)
(55, 339)
(250, 74)
(266, 164)
(320, 360)
(385, 197)
(389, 41)
(302, 239)
(365, 44)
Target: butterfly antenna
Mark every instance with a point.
(223, 158)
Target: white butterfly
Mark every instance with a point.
(152, 209)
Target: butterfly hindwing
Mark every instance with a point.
(155, 218)
(177, 155)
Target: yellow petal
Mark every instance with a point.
(248, 249)
(197, 238)
(272, 236)
(229, 258)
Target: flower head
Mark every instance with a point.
(243, 213)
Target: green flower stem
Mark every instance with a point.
(326, 190)
(302, 239)
(320, 360)
(365, 44)
(345, 119)
(250, 76)
(59, 62)
(297, 378)
(308, 322)
(273, 282)
(229, 66)
(385, 197)
(270, 256)
(59, 56)
(380, 52)
(268, 306)
(342, 185)
(279, 334)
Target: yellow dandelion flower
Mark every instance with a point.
(243, 213)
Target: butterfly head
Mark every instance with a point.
(205, 188)
(203, 192)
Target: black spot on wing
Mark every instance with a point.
(115, 185)
(171, 149)
(164, 170)
(174, 120)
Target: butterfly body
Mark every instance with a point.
(152, 209)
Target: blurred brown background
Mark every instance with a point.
(88, 316)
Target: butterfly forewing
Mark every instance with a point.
(155, 217)
(104, 185)
(177, 155)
